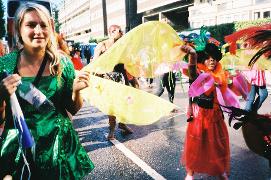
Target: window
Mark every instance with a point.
(257, 15)
(266, 14)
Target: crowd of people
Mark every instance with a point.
(43, 58)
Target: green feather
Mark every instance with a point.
(201, 41)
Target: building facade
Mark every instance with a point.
(96, 18)
(75, 20)
(175, 11)
(212, 12)
(85, 19)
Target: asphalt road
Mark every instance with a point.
(153, 152)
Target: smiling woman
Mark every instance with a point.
(58, 153)
(12, 6)
(34, 31)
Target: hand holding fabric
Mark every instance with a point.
(9, 85)
(81, 81)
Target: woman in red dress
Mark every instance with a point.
(206, 148)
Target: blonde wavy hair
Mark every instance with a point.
(51, 48)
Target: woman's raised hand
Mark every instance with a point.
(81, 81)
(187, 49)
(191, 52)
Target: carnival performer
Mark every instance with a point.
(206, 148)
(57, 153)
(115, 33)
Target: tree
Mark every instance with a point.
(56, 22)
(2, 20)
(92, 40)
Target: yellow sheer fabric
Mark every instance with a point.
(129, 105)
(145, 51)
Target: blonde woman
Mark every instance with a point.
(58, 153)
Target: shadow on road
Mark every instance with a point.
(92, 128)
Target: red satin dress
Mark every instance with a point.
(206, 147)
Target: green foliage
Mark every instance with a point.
(97, 39)
(56, 22)
(2, 20)
(220, 31)
(101, 39)
(246, 24)
(92, 40)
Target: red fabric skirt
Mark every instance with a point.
(206, 148)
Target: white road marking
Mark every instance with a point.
(151, 172)
(128, 153)
(91, 126)
(175, 115)
(88, 115)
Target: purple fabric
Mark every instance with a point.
(228, 98)
(240, 83)
(203, 83)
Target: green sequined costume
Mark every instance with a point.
(58, 153)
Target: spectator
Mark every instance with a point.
(58, 153)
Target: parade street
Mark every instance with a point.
(154, 151)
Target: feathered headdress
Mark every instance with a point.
(204, 44)
(201, 40)
(198, 41)
(256, 37)
(262, 40)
